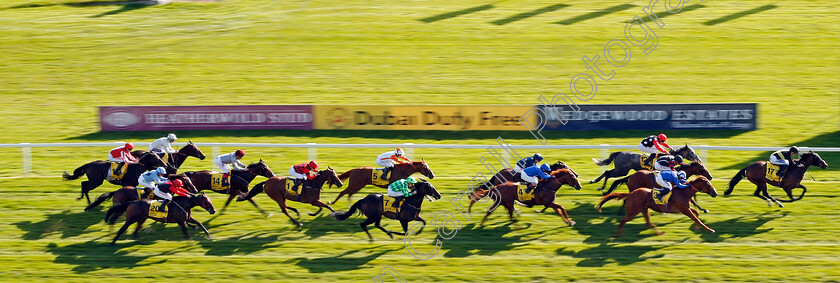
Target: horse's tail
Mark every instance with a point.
(345, 175)
(607, 161)
(258, 188)
(76, 173)
(741, 174)
(99, 200)
(341, 215)
(115, 211)
(609, 197)
(617, 183)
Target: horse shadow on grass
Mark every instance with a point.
(244, 245)
(96, 255)
(322, 224)
(66, 223)
(347, 261)
(476, 240)
(125, 6)
(739, 227)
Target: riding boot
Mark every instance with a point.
(663, 192)
(163, 205)
(529, 188)
(385, 173)
(119, 169)
(297, 184)
(396, 203)
(781, 171)
(650, 159)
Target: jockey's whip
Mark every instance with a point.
(809, 174)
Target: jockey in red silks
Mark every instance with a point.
(303, 171)
(654, 144)
(122, 155)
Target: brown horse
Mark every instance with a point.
(129, 193)
(791, 179)
(275, 188)
(138, 211)
(176, 160)
(508, 175)
(361, 177)
(646, 179)
(505, 194)
(239, 181)
(373, 208)
(641, 199)
(97, 172)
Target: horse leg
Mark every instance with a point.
(790, 194)
(489, 211)
(193, 221)
(316, 213)
(230, 198)
(293, 210)
(562, 212)
(469, 208)
(376, 223)
(91, 184)
(364, 225)
(258, 207)
(694, 202)
(183, 225)
(769, 198)
(421, 227)
(687, 211)
(137, 229)
(646, 213)
(757, 193)
(404, 224)
(509, 208)
(128, 222)
(283, 207)
(631, 213)
(599, 177)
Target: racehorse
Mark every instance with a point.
(508, 175)
(97, 172)
(373, 208)
(129, 193)
(505, 194)
(138, 211)
(275, 188)
(641, 199)
(626, 160)
(239, 181)
(361, 177)
(646, 179)
(175, 160)
(791, 179)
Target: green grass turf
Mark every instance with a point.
(61, 59)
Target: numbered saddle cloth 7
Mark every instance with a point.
(158, 211)
(655, 194)
(376, 177)
(521, 195)
(388, 204)
(218, 182)
(771, 173)
(112, 174)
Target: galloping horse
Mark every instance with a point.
(646, 179)
(361, 177)
(175, 160)
(641, 199)
(505, 194)
(792, 178)
(138, 211)
(626, 160)
(508, 175)
(239, 181)
(373, 208)
(129, 193)
(97, 172)
(275, 188)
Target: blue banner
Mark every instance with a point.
(737, 116)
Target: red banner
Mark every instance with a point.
(234, 117)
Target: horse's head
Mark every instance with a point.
(204, 201)
(688, 153)
(813, 159)
(192, 150)
(188, 184)
(695, 168)
(261, 169)
(330, 175)
(701, 184)
(424, 188)
(565, 177)
(423, 168)
(561, 165)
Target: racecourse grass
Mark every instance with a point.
(62, 58)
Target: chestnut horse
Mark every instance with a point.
(626, 160)
(505, 194)
(176, 160)
(646, 179)
(138, 211)
(97, 172)
(792, 178)
(361, 177)
(373, 208)
(275, 188)
(508, 175)
(129, 193)
(239, 181)
(641, 199)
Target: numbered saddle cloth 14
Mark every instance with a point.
(655, 194)
(645, 166)
(218, 182)
(771, 172)
(388, 204)
(112, 174)
(157, 211)
(521, 195)
(376, 177)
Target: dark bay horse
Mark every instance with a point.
(275, 188)
(138, 211)
(792, 178)
(373, 208)
(508, 175)
(647, 179)
(239, 181)
(129, 193)
(640, 200)
(176, 160)
(505, 195)
(97, 172)
(626, 160)
(361, 177)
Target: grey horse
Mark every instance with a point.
(626, 160)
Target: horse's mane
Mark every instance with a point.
(564, 170)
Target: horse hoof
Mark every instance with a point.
(712, 231)
(592, 181)
(705, 211)
(300, 224)
(269, 215)
(572, 223)
(660, 233)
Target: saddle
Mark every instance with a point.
(114, 174)
(655, 194)
(771, 173)
(218, 183)
(290, 184)
(156, 210)
(376, 177)
(521, 195)
(388, 204)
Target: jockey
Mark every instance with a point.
(527, 162)
(166, 190)
(783, 158)
(530, 175)
(389, 159)
(666, 178)
(225, 161)
(303, 171)
(152, 178)
(401, 188)
(667, 162)
(163, 145)
(122, 155)
(653, 145)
